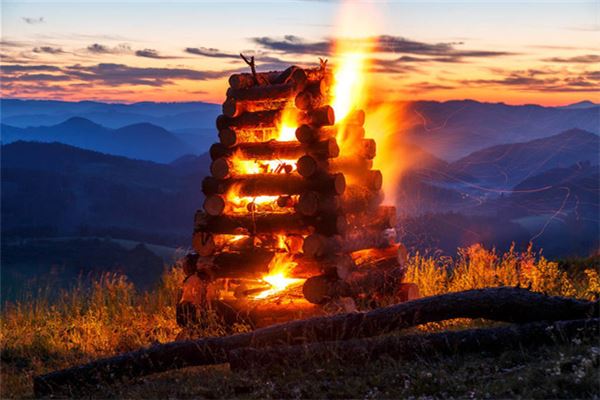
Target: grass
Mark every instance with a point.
(39, 335)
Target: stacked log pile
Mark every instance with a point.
(326, 200)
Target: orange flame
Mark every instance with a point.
(279, 269)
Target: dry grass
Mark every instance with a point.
(84, 323)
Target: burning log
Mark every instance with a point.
(309, 166)
(416, 347)
(308, 134)
(235, 108)
(313, 203)
(250, 264)
(322, 116)
(319, 246)
(296, 82)
(253, 120)
(230, 137)
(499, 304)
(245, 80)
(354, 199)
(275, 150)
(311, 97)
(384, 217)
(275, 223)
(274, 184)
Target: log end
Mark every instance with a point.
(307, 166)
(214, 205)
(220, 168)
(228, 137)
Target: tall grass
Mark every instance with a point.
(110, 316)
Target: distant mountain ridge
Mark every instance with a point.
(139, 141)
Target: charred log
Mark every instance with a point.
(275, 150)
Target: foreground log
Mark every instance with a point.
(499, 304)
(416, 346)
(356, 166)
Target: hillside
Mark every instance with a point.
(453, 129)
(97, 193)
(141, 141)
(504, 166)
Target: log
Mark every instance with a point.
(275, 150)
(250, 264)
(384, 217)
(245, 80)
(295, 82)
(204, 243)
(313, 203)
(416, 347)
(323, 288)
(499, 304)
(308, 134)
(253, 185)
(250, 120)
(234, 108)
(352, 201)
(322, 116)
(309, 166)
(311, 97)
(319, 246)
(231, 137)
(214, 204)
(271, 223)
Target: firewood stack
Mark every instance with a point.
(323, 204)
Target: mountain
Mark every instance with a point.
(581, 104)
(53, 189)
(141, 141)
(504, 166)
(453, 129)
(171, 116)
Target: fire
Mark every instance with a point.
(287, 128)
(279, 269)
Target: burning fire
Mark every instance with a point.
(279, 269)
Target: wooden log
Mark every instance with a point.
(249, 264)
(221, 168)
(499, 304)
(275, 184)
(271, 223)
(286, 90)
(309, 134)
(383, 217)
(313, 203)
(231, 137)
(322, 116)
(246, 80)
(356, 198)
(323, 288)
(251, 120)
(309, 165)
(275, 150)
(311, 97)
(234, 108)
(416, 347)
(320, 246)
(204, 243)
(214, 204)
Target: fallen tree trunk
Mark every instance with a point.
(500, 304)
(415, 347)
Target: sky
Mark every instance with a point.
(513, 52)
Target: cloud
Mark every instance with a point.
(98, 48)
(583, 59)
(151, 53)
(48, 50)
(120, 74)
(8, 69)
(36, 78)
(33, 21)
(210, 52)
(529, 81)
(428, 52)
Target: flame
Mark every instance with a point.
(287, 127)
(352, 90)
(279, 269)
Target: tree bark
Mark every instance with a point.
(416, 346)
(499, 304)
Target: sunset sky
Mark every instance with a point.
(514, 52)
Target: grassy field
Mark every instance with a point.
(110, 317)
